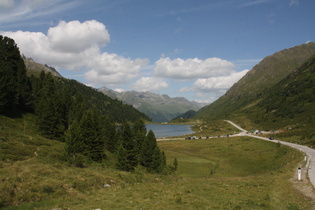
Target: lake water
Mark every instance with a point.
(166, 130)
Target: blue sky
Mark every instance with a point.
(190, 48)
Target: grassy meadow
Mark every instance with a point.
(223, 173)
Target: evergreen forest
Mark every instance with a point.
(80, 116)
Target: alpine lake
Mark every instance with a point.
(168, 130)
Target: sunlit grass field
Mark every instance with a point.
(223, 173)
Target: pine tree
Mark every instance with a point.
(91, 135)
(128, 160)
(74, 144)
(122, 159)
(108, 132)
(15, 88)
(46, 109)
(157, 161)
(140, 131)
(151, 156)
(148, 147)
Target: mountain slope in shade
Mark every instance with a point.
(291, 101)
(249, 90)
(161, 108)
(35, 68)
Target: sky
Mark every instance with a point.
(195, 49)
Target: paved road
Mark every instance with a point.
(308, 151)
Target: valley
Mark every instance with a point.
(60, 147)
(238, 172)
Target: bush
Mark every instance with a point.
(47, 189)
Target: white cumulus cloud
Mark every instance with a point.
(75, 37)
(218, 83)
(114, 69)
(150, 84)
(77, 46)
(192, 68)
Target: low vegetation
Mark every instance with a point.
(224, 173)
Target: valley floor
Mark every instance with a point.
(222, 173)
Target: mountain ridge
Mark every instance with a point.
(35, 68)
(161, 108)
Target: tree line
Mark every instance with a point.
(80, 116)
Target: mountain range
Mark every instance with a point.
(160, 108)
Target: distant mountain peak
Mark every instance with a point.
(161, 108)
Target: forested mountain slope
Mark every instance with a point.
(56, 101)
(249, 90)
(70, 112)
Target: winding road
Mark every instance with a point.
(308, 151)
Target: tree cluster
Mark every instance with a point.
(80, 116)
(15, 88)
(136, 147)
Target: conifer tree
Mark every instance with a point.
(46, 109)
(74, 144)
(15, 88)
(157, 161)
(91, 135)
(77, 108)
(108, 132)
(127, 153)
(140, 131)
(148, 147)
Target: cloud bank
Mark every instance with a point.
(77, 46)
(192, 68)
(222, 83)
(150, 84)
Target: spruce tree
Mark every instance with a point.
(140, 131)
(127, 152)
(148, 147)
(74, 144)
(157, 161)
(122, 159)
(108, 132)
(46, 109)
(91, 135)
(15, 88)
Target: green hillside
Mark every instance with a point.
(277, 94)
(249, 90)
(290, 104)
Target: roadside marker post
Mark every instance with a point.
(299, 174)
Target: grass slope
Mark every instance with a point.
(225, 173)
(249, 90)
